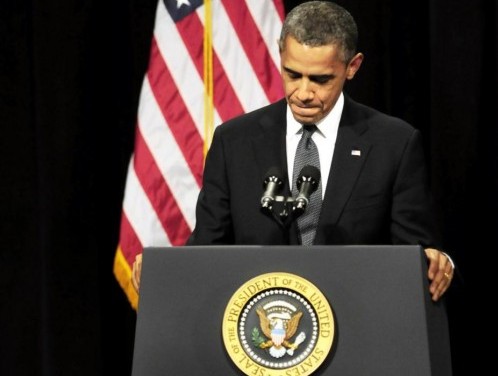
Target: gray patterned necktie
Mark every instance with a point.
(307, 154)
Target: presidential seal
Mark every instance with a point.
(278, 324)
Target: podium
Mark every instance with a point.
(385, 321)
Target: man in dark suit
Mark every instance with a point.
(373, 174)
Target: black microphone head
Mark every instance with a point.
(273, 174)
(310, 172)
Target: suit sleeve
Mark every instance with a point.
(213, 219)
(413, 217)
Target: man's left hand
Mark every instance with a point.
(440, 272)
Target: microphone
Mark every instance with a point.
(307, 183)
(272, 185)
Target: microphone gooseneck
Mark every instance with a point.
(307, 183)
(272, 185)
(285, 209)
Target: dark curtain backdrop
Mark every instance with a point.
(70, 79)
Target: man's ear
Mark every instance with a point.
(354, 65)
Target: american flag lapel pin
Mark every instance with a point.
(356, 152)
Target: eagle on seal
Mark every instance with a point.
(279, 331)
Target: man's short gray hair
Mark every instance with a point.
(319, 23)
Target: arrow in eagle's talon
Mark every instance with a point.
(299, 339)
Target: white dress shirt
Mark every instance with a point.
(324, 138)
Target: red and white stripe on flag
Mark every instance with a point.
(165, 170)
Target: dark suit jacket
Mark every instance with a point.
(378, 197)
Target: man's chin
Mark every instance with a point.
(304, 119)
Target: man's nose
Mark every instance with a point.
(304, 91)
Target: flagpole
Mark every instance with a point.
(208, 76)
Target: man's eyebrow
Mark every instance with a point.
(288, 70)
(313, 77)
(321, 77)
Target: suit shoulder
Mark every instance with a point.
(380, 122)
(247, 122)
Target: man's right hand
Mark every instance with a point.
(136, 271)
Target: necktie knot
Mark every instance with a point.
(309, 128)
(308, 131)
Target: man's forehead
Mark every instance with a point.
(311, 60)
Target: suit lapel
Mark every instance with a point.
(269, 143)
(351, 152)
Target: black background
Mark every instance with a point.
(70, 77)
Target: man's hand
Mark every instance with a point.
(136, 271)
(440, 272)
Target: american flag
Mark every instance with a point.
(210, 60)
